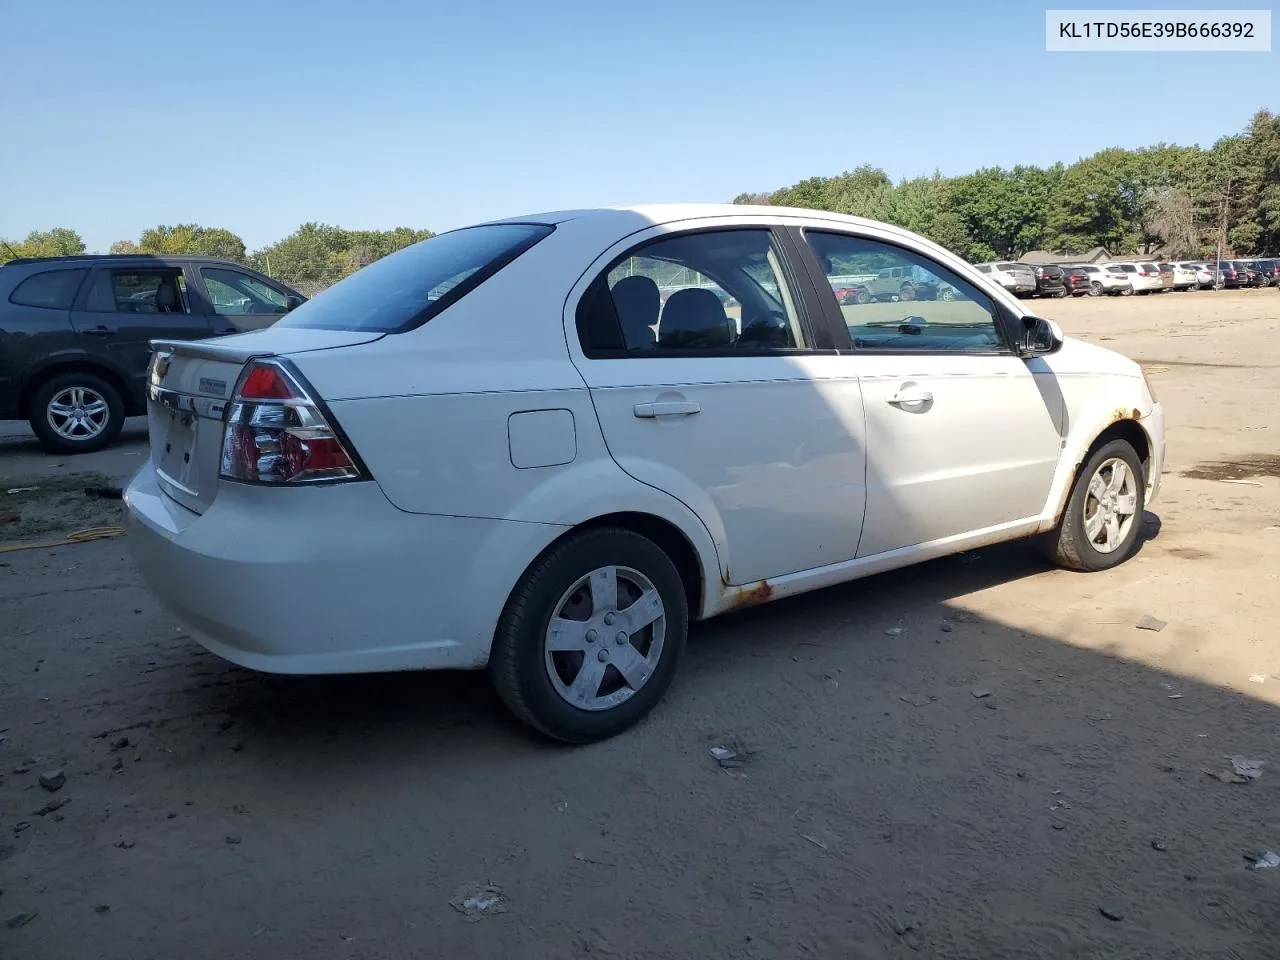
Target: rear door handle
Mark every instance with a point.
(99, 331)
(666, 408)
(911, 397)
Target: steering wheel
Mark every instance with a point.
(770, 320)
(775, 315)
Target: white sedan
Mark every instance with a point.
(502, 448)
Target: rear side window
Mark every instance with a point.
(1009, 266)
(409, 287)
(52, 290)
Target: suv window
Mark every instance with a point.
(1010, 266)
(937, 311)
(718, 292)
(154, 290)
(52, 289)
(232, 292)
(409, 287)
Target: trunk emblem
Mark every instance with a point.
(209, 385)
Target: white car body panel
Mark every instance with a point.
(488, 434)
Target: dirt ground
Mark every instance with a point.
(970, 759)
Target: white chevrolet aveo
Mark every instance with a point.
(544, 445)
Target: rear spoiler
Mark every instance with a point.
(210, 350)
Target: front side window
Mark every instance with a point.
(408, 287)
(931, 309)
(722, 292)
(51, 290)
(232, 292)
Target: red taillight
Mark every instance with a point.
(266, 382)
(276, 432)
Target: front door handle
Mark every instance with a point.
(99, 331)
(911, 397)
(666, 408)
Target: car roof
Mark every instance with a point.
(660, 213)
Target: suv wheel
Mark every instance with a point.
(591, 636)
(1095, 289)
(76, 413)
(906, 292)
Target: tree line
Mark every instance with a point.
(1180, 201)
(315, 254)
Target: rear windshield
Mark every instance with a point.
(409, 287)
(1149, 267)
(1010, 266)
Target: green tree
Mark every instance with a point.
(191, 238)
(1003, 211)
(58, 242)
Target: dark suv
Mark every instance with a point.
(75, 333)
(1050, 281)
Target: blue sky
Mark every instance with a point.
(257, 116)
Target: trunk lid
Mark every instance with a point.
(189, 391)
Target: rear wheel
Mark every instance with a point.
(591, 636)
(864, 296)
(1099, 527)
(906, 292)
(76, 412)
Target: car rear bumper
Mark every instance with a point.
(328, 579)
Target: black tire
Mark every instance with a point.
(906, 293)
(1069, 545)
(50, 439)
(1126, 290)
(1066, 292)
(863, 296)
(1095, 289)
(517, 663)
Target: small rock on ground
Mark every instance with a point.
(53, 780)
(1111, 911)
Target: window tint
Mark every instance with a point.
(984, 267)
(718, 291)
(53, 289)
(232, 292)
(412, 285)
(1010, 266)
(140, 291)
(931, 308)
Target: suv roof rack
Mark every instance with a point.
(120, 256)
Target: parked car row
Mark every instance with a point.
(1124, 278)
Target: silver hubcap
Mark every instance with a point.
(605, 638)
(1111, 505)
(77, 413)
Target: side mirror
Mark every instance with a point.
(292, 302)
(1043, 337)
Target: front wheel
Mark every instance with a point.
(906, 293)
(76, 412)
(591, 636)
(1095, 289)
(1100, 524)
